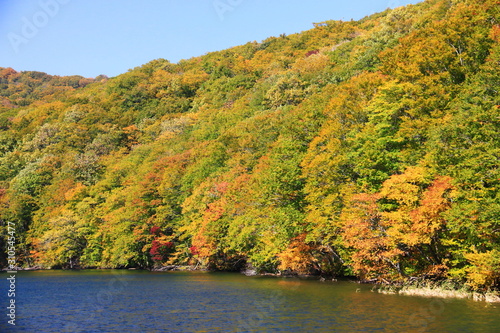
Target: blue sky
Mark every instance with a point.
(92, 37)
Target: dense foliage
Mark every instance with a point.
(366, 148)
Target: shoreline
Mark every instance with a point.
(439, 292)
(427, 290)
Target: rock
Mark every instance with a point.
(492, 298)
(249, 272)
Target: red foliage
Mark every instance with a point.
(310, 53)
(155, 231)
(160, 250)
(194, 250)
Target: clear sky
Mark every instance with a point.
(92, 37)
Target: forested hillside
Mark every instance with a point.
(367, 148)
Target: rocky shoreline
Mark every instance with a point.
(430, 290)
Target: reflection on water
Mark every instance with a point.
(138, 301)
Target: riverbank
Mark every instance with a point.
(177, 268)
(422, 289)
(441, 291)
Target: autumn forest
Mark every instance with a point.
(363, 148)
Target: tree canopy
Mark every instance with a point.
(365, 148)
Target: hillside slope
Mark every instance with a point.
(365, 148)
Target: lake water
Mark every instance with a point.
(141, 301)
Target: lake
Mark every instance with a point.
(142, 301)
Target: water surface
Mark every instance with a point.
(140, 301)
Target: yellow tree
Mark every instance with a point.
(365, 232)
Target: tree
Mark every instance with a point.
(62, 245)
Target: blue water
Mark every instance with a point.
(139, 301)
